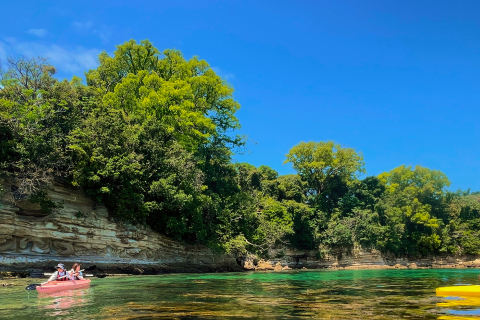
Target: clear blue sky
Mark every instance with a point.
(396, 80)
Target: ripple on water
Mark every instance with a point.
(345, 294)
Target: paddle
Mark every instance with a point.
(33, 286)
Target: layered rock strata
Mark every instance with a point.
(360, 259)
(82, 231)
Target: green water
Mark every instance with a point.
(344, 294)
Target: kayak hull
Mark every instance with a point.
(57, 286)
(462, 291)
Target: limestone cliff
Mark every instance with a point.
(81, 231)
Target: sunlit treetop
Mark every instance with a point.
(187, 95)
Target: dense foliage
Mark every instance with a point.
(151, 135)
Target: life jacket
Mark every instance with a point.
(61, 275)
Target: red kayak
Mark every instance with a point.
(56, 286)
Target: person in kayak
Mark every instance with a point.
(75, 273)
(60, 274)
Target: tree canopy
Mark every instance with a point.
(151, 135)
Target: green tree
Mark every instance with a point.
(304, 225)
(140, 173)
(193, 102)
(362, 194)
(360, 229)
(461, 233)
(412, 208)
(37, 112)
(327, 168)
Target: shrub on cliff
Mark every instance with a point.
(37, 113)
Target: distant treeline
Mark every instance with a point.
(151, 135)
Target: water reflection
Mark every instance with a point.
(62, 303)
(352, 295)
(460, 307)
(307, 295)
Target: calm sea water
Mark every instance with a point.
(343, 294)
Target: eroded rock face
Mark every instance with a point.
(264, 265)
(82, 231)
(358, 259)
(278, 267)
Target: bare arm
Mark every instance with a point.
(77, 274)
(53, 276)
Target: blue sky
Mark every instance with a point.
(396, 80)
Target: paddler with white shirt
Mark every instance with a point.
(60, 275)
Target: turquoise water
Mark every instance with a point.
(343, 294)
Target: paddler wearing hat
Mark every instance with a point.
(61, 274)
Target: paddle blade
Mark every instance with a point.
(32, 286)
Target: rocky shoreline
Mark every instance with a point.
(263, 265)
(359, 259)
